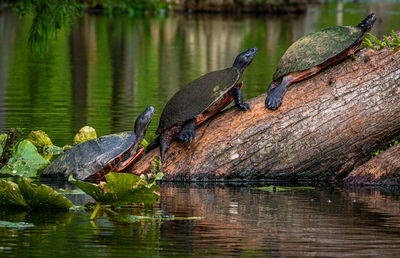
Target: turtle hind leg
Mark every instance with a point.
(188, 131)
(154, 144)
(238, 97)
(165, 140)
(275, 94)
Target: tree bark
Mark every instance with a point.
(383, 169)
(327, 125)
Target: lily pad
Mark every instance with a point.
(42, 196)
(121, 188)
(85, 133)
(39, 138)
(15, 225)
(25, 162)
(10, 195)
(282, 189)
(32, 196)
(127, 218)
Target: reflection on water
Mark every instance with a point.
(106, 70)
(237, 221)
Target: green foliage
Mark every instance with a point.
(120, 189)
(86, 133)
(48, 17)
(31, 196)
(156, 164)
(129, 219)
(381, 44)
(377, 152)
(39, 138)
(26, 161)
(282, 189)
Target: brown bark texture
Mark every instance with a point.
(327, 125)
(383, 169)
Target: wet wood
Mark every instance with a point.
(383, 169)
(326, 126)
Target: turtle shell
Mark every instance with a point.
(197, 97)
(90, 157)
(316, 48)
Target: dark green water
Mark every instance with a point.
(106, 70)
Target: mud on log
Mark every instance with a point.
(326, 126)
(383, 169)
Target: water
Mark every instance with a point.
(106, 70)
(236, 221)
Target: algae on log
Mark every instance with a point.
(327, 125)
(383, 169)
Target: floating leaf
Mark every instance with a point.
(25, 162)
(15, 225)
(85, 133)
(28, 195)
(42, 196)
(281, 189)
(39, 139)
(127, 218)
(10, 195)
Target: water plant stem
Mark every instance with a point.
(96, 210)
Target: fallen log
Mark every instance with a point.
(326, 126)
(383, 169)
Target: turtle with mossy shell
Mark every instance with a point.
(313, 52)
(93, 159)
(199, 100)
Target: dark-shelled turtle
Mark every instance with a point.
(314, 52)
(201, 99)
(93, 159)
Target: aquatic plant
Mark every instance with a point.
(86, 133)
(25, 161)
(120, 189)
(25, 194)
(369, 38)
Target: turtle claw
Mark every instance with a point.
(187, 136)
(273, 102)
(244, 106)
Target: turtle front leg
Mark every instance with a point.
(276, 93)
(238, 97)
(188, 131)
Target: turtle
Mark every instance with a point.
(314, 52)
(199, 100)
(93, 159)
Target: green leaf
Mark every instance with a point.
(39, 139)
(281, 189)
(387, 41)
(121, 188)
(25, 162)
(396, 40)
(85, 133)
(144, 143)
(42, 196)
(129, 219)
(376, 40)
(10, 195)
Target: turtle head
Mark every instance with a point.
(143, 121)
(244, 59)
(367, 23)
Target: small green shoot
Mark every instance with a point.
(381, 44)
